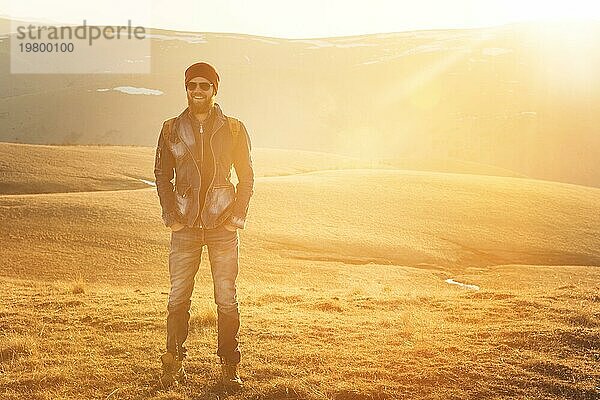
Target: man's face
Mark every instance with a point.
(200, 94)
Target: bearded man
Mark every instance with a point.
(198, 149)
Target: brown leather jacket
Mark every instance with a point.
(174, 159)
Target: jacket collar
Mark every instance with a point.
(218, 116)
(186, 131)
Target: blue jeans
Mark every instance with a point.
(184, 260)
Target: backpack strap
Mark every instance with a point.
(234, 128)
(169, 130)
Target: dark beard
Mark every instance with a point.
(201, 109)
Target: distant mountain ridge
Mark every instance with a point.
(511, 96)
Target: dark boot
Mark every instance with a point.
(229, 374)
(172, 370)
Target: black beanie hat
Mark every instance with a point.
(205, 71)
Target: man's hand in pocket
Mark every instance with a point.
(229, 226)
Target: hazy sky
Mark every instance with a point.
(302, 19)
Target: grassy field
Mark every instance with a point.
(342, 285)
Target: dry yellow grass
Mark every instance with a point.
(341, 288)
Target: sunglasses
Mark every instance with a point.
(205, 86)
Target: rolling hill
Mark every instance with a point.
(312, 206)
(26, 168)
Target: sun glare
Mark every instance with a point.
(567, 52)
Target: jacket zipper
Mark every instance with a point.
(199, 213)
